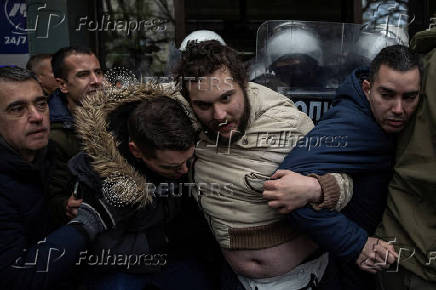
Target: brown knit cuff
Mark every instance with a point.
(330, 192)
(259, 237)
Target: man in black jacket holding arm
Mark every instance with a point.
(32, 254)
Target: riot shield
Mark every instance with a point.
(308, 60)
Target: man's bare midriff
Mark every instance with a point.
(270, 262)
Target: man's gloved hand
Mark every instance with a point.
(96, 215)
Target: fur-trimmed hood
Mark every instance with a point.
(99, 125)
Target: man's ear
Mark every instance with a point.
(62, 85)
(366, 86)
(38, 77)
(135, 150)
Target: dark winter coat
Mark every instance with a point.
(63, 133)
(367, 156)
(153, 228)
(32, 255)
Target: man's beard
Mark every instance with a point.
(235, 134)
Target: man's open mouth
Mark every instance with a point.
(225, 126)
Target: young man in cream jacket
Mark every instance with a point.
(248, 130)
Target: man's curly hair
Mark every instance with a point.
(201, 59)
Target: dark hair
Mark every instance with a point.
(35, 59)
(201, 59)
(15, 74)
(60, 70)
(397, 57)
(160, 123)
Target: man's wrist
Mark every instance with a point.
(330, 191)
(90, 220)
(316, 195)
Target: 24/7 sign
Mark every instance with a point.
(15, 26)
(13, 34)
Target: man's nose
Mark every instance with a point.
(35, 115)
(219, 112)
(96, 79)
(398, 107)
(183, 169)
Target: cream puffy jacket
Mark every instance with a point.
(230, 178)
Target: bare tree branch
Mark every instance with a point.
(109, 7)
(163, 4)
(369, 2)
(390, 12)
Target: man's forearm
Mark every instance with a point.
(333, 231)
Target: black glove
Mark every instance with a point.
(96, 215)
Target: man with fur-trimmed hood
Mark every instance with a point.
(136, 150)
